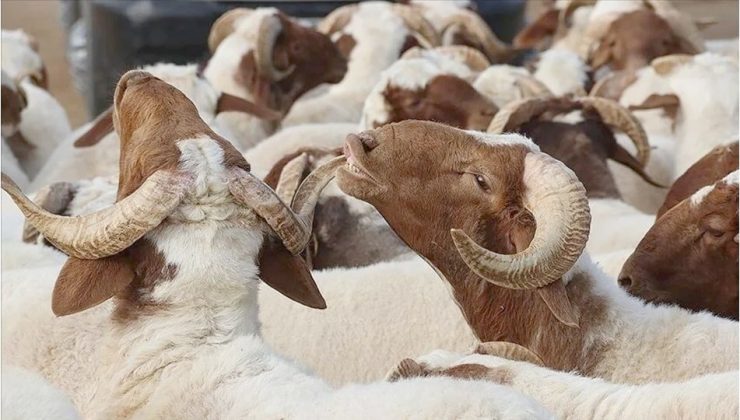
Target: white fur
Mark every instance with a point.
(569, 395)
(562, 71)
(27, 396)
(12, 167)
(615, 225)
(698, 197)
(379, 35)
(499, 84)
(18, 58)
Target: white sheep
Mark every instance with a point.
(576, 397)
(27, 396)
(189, 344)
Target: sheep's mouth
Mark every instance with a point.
(355, 153)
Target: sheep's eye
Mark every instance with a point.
(714, 233)
(482, 183)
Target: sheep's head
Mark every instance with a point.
(287, 59)
(634, 39)
(690, 256)
(583, 146)
(715, 165)
(159, 185)
(464, 200)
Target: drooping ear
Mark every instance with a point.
(289, 274)
(83, 284)
(249, 77)
(556, 299)
(101, 126)
(668, 102)
(227, 102)
(602, 54)
(541, 29)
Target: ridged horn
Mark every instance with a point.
(557, 200)
(224, 26)
(269, 29)
(516, 113)
(622, 119)
(472, 58)
(417, 23)
(290, 177)
(496, 50)
(111, 230)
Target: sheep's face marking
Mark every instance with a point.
(690, 255)
(634, 39)
(415, 172)
(316, 59)
(446, 99)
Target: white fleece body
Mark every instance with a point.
(570, 396)
(615, 225)
(27, 396)
(68, 163)
(379, 35)
(200, 354)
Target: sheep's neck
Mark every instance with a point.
(521, 316)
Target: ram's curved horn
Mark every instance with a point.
(511, 351)
(224, 26)
(417, 23)
(495, 49)
(619, 117)
(290, 177)
(291, 224)
(665, 65)
(337, 19)
(472, 58)
(531, 87)
(111, 230)
(516, 113)
(269, 29)
(558, 202)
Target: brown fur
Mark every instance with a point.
(425, 187)
(538, 34)
(13, 103)
(345, 44)
(689, 257)
(446, 99)
(714, 166)
(634, 39)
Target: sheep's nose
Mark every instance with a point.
(625, 282)
(368, 141)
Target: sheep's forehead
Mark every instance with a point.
(698, 197)
(506, 139)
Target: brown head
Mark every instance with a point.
(445, 98)
(690, 256)
(714, 166)
(288, 60)
(153, 119)
(634, 39)
(478, 207)
(583, 146)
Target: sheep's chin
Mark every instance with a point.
(358, 185)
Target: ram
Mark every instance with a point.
(690, 256)
(576, 397)
(93, 150)
(181, 250)
(372, 35)
(266, 57)
(512, 252)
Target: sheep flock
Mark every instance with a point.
(392, 214)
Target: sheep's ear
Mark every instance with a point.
(556, 298)
(289, 274)
(101, 126)
(668, 102)
(601, 55)
(83, 284)
(227, 102)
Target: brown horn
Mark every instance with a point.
(291, 177)
(111, 230)
(558, 202)
(268, 32)
(516, 113)
(620, 118)
(496, 50)
(417, 23)
(224, 26)
(99, 128)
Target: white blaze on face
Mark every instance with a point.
(505, 139)
(698, 197)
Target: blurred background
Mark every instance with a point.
(83, 69)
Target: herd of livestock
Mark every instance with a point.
(392, 214)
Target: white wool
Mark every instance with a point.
(411, 74)
(27, 396)
(727, 47)
(612, 262)
(615, 225)
(12, 167)
(509, 139)
(379, 34)
(731, 178)
(698, 197)
(562, 71)
(499, 83)
(569, 395)
(18, 58)
(44, 124)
